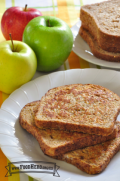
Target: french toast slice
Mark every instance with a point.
(95, 49)
(93, 159)
(102, 21)
(56, 142)
(86, 108)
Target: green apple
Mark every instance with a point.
(51, 39)
(17, 65)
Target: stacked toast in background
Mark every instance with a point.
(100, 28)
(76, 123)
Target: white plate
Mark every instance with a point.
(18, 145)
(81, 48)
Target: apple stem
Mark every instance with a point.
(25, 7)
(48, 23)
(11, 41)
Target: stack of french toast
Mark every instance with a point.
(76, 123)
(100, 28)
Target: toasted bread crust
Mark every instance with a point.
(55, 142)
(93, 159)
(83, 108)
(103, 24)
(96, 50)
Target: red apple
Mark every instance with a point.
(15, 19)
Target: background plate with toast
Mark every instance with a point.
(18, 145)
(82, 49)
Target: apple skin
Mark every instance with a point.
(52, 45)
(15, 19)
(16, 68)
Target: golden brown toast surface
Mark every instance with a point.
(102, 20)
(96, 50)
(84, 108)
(93, 159)
(56, 142)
